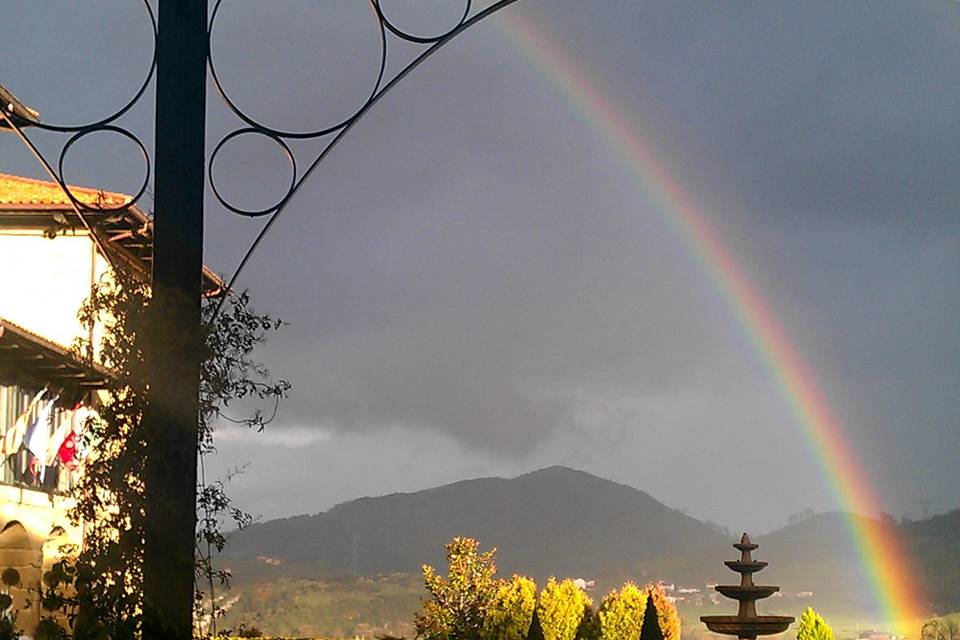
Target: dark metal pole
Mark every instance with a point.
(170, 423)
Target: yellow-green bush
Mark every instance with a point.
(510, 610)
(458, 602)
(813, 627)
(621, 613)
(561, 609)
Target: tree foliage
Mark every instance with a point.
(97, 589)
(458, 603)
(561, 608)
(813, 627)
(621, 613)
(510, 611)
(471, 603)
(668, 618)
(943, 628)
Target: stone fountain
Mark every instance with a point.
(746, 625)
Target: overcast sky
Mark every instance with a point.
(475, 284)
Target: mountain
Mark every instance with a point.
(814, 556)
(556, 521)
(293, 576)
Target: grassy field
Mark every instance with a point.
(349, 607)
(332, 608)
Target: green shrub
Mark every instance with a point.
(561, 608)
(813, 627)
(510, 610)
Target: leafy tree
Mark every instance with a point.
(621, 613)
(943, 628)
(561, 608)
(97, 590)
(813, 627)
(510, 611)
(668, 619)
(458, 603)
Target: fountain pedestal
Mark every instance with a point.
(747, 625)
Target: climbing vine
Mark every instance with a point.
(94, 592)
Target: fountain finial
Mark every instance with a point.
(747, 625)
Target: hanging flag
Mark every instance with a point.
(83, 415)
(63, 429)
(67, 454)
(14, 435)
(38, 433)
(89, 419)
(13, 438)
(67, 451)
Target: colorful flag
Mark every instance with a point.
(13, 438)
(38, 433)
(67, 453)
(64, 428)
(67, 448)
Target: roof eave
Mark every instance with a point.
(31, 360)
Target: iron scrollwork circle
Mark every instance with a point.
(108, 128)
(279, 133)
(410, 37)
(252, 213)
(470, 21)
(103, 122)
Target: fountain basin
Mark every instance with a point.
(749, 592)
(745, 567)
(747, 627)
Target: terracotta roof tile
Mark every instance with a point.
(30, 202)
(17, 192)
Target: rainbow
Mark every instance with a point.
(882, 555)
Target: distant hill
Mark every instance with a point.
(817, 555)
(297, 576)
(813, 555)
(556, 521)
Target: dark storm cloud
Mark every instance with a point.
(817, 109)
(489, 325)
(492, 316)
(849, 112)
(473, 259)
